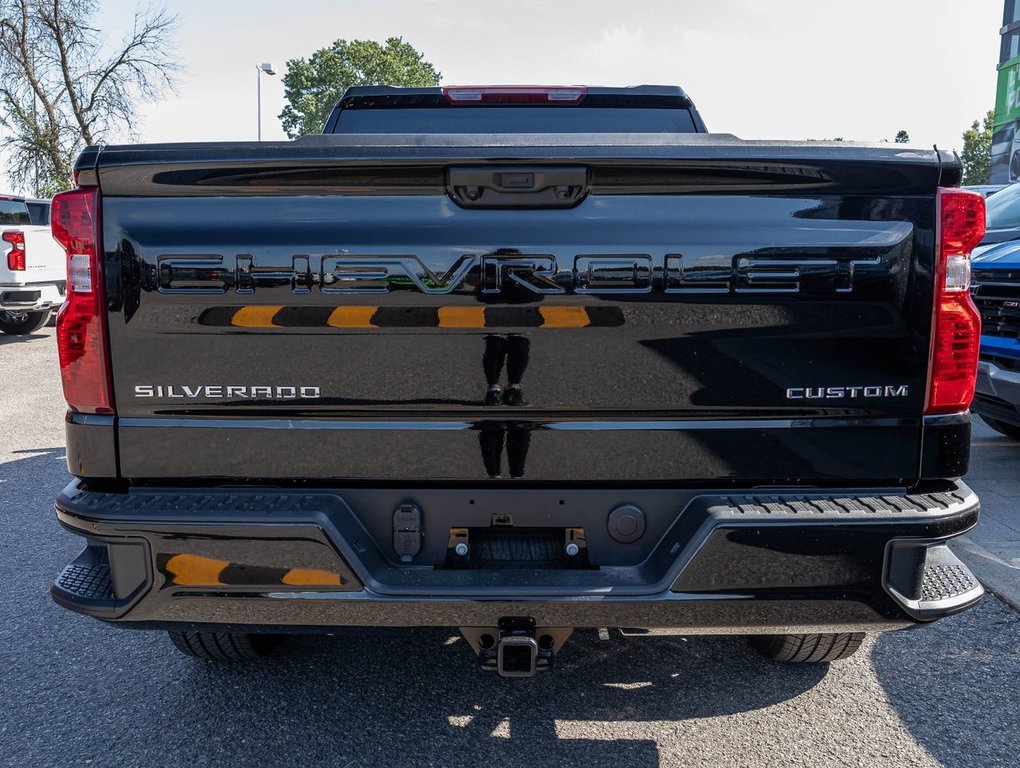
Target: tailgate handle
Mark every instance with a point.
(517, 186)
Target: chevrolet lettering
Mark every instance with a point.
(541, 274)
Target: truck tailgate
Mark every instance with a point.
(699, 310)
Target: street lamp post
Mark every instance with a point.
(268, 69)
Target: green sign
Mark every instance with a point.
(1007, 97)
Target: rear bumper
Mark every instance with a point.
(748, 562)
(32, 297)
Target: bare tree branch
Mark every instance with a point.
(63, 86)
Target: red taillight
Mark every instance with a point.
(15, 256)
(81, 322)
(514, 94)
(956, 330)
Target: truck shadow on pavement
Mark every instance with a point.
(7, 338)
(417, 699)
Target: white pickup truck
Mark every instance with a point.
(32, 265)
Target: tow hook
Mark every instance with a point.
(516, 648)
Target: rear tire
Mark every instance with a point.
(1009, 430)
(223, 646)
(21, 323)
(807, 649)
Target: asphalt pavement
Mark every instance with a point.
(992, 549)
(74, 691)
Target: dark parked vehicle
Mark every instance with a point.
(518, 361)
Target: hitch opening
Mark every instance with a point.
(516, 648)
(517, 656)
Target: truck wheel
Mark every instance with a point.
(807, 648)
(1003, 428)
(223, 646)
(21, 323)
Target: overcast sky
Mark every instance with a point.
(860, 69)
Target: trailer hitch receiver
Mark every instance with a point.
(516, 648)
(517, 656)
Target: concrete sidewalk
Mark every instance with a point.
(992, 549)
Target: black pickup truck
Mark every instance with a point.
(518, 361)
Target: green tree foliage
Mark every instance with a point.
(313, 86)
(902, 137)
(977, 150)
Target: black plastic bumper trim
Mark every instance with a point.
(738, 553)
(329, 520)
